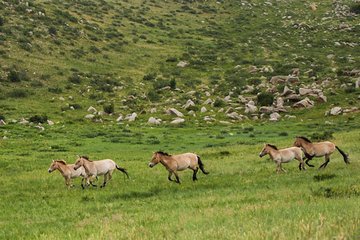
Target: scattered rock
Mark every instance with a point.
(203, 109)
(208, 101)
(209, 119)
(357, 83)
(175, 112)
(23, 121)
(120, 118)
(92, 109)
(278, 79)
(131, 117)
(154, 121)
(336, 111)
(287, 91)
(304, 91)
(2, 122)
(177, 121)
(153, 110)
(182, 64)
(275, 117)
(50, 123)
(305, 103)
(188, 104)
(234, 115)
(90, 116)
(250, 107)
(264, 109)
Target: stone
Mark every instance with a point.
(265, 109)
(279, 102)
(153, 110)
(322, 98)
(208, 101)
(293, 79)
(177, 121)
(335, 111)
(50, 123)
(208, 119)
(357, 83)
(203, 109)
(175, 112)
(182, 64)
(234, 115)
(188, 104)
(278, 79)
(89, 116)
(287, 91)
(305, 91)
(92, 109)
(154, 121)
(120, 118)
(227, 99)
(2, 122)
(23, 121)
(275, 117)
(250, 107)
(305, 103)
(131, 117)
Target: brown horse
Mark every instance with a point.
(98, 168)
(318, 149)
(283, 155)
(68, 172)
(180, 162)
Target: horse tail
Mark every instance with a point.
(345, 156)
(122, 170)
(201, 165)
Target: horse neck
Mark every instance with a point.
(86, 165)
(306, 145)
(273, 152)
(164, 160)
(61, 168)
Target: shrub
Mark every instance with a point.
(56, 90)
(326, 135)
(150, 76)
(355, 8)
(38, 119)
(219, 103)
(153, 96)
(2, 117)
(109, 108)
(52, 30)
(265, 99)
(2, 21)
(75, 78)
(17, 75)
(172, 83)
(19, 93)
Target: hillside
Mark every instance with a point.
(214, 61)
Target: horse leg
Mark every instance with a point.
(194, 175)
(177, 177)
(327, 160)
(307, 162)
(68, 183)
(169, 176)
(278, 167)
(105, 180)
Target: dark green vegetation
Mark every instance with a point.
(57, 58)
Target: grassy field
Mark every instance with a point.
(241, 198)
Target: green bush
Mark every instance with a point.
(75, 78)
(109, 108)
(16, 75)
(38, 119)
(153, 96)
(18, 93)
(219, 103)
(150, 76)
(265, 99)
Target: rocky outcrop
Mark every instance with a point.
(305, 103)
(175, 112)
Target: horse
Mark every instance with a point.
(98, 168)
(283, 155)
(68, 172)
(318, 149)
(180, 162)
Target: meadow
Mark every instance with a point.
(241, 198)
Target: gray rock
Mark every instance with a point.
(120, 118)
(357, 83)
(305, 91)
(188, 104)
(336, 111)
(305, 103)
(90, 116)
(287, 91)
(154, 121)
(208, 101)
(264, 109)
(92, 109)
(131, 117)
(2, 122)
(278, 79)
(203, 109)
(234, 115)
(275, 117)
(175, 112)
(177, 121)
(250, 107)
(182, 64)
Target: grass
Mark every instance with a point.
(242, 197)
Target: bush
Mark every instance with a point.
(219, 103)
(56, 90)
(75, 78)
(153, 96)
(265, 99)
(17, 75)
(52, 30)
(149, 77)
(355, 8)
(18, 93)
(326, 135)
(2, 117)
(2, 21)
(172, 83)
(38, 119)
(109, 108)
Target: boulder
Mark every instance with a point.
(50, 123)
(92, 109)
(305, 91)
(203, 109)
(208, 101)
(154, 121)
(336, 111)
(357, 83)
(250, 107)
(275, 117)
(175, 112)
(90, 116)
(23, 121)
(322, 98)
(287, 91)
(2, 122)
(264, 109)
(234, 115)
(279, 102)
(292, 79)
(131, 117)
(305, 103)
(188, 104)
(182, 64)
(177, 121)
(278, 79)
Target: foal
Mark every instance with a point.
(68, 172)
(318, 149)
(174, 163)
(98, 168)
(283, 155)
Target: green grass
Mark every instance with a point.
(242, 197)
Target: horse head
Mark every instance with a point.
(264, 151)
(80, 162)
(156, 158)
(53, 166)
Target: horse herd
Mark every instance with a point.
(90, 170)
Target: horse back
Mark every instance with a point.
(322, 148)
(186, 160)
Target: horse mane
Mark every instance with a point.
(273, 146)
(305, 139)
(61, 161)
(163, 153)
(86, 158)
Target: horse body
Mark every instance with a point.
(318, 149)
(68, 171)
(283, 155)
(180, 162)
(104, 168)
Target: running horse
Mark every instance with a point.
(180, 162)
(318, 149)
(285, 155)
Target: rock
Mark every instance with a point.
(295, 72)
(208, 94)
(92, 109)
(188, 104)
(2, 122)
(305, 103)
(41, 128)
(279, 102)
(292, 79)
(357, 83)
(264, 109)
(249, 89)
(182, 64)
(23, 121)
(227, 99)
(336, 111)
(293, 97)
(61, 98)
(322, 98)
(229, 110)
(287, 91)
(203, 109)
(177, 121)
(234, 115)
(90, 116)
(154, 121)
(191, 92)
(290, 116)
(313, 6)
(274, 117)
(278, 79)
(120, 118)
(250, 107)
(208, 101)
(191, 113)
(175, 112)
(242, 99)
(153, 110)
(209, 119)
(50, 123)
(305, 91)
(131, 117)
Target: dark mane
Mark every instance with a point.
(163, 153)
(273, 146)
(305, 139)
(86, 157)
(61, 161)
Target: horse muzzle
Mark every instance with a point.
(151, 165)
(261, 155)
(49, 170)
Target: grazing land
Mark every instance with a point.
(123, 79)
